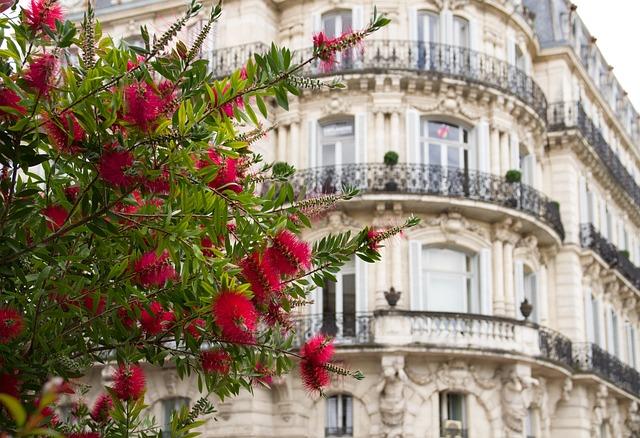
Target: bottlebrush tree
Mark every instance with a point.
(137, 225)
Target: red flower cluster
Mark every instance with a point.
(100, 411)
(129, 382)
(10, 384)
(372, 238)
(316, 354)
(96, 308)
(65, 133)
(194, 328)
(56, 216)
(115, 167)
(215, 361)
(327, 48)
(236, 316)
(10, 99)
(41, 74)
(259, 271)
(144, 104)
(157, 320)
(289, 254)
(43, 13)
(265, 375)
(11, 324)
(159, 185)
(153, 270)
(71, 193)
(227, 176)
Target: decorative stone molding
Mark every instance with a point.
(530, 246)
(452, 5)
(599, 414)
(540, 401)
(507, 231)
(453, 222)
(392, 390)
(516, 396)
(633, 420)
(337, 105)
(452, 103)
(338, 221)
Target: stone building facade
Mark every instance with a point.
(464, 91)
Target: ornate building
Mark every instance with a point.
(465, 91)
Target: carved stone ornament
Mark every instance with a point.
(600, 413)
(338, 220)
(452, 222)
(515, 396)
(392, 389)
(171, 382)
(452, 5)
(451, 104)
(567, 387)
(507, 231)
(633, 420)
(337, 105)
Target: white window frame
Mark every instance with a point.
(425, 18)
(337, 141)
(424, 145)
(457, 22)
(340, 399)
(444, 409)
(632, 354)
(469, 279)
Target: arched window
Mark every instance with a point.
(334, 24)
(461, 35)
(450, 280)
(526, 288)
(453, 414)
(339, 416)
(169, 406)
(337, 143)
(443, 144)
(428, 27)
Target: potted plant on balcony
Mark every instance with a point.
(624, 253)
(390, 160)
(513, 178)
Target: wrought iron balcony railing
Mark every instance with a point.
(591, 358)
(592, 239)
(345, 328)
(571, 115)
(423, 179)
(555, 347)
(410, 56)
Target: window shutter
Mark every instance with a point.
(413, 136)
(511, 49)
(485, 282)
(588, 317)
(475, 38)
(446, 27)
(415, 280)
(358, 18)
(362, 289)
(514, 148)
(584, 206)
(312, 127)
(482, 145)
(608, 317)
(519, 284)
(597, 324)
(535, 299)
(530, 170)
(317, 23)
(413, 24)
(361, 137)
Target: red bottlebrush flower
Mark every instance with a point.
(11, 324)
(215, 361)
(316, 354)
(159, 185)
(277, 315)
(289, 254)
(194, 328)
(71, 193)
(10, 99)
(156, 320)
(372, 236)
(236, 316)
(154, 270)
(143, 105)
(206, 245)
(65, 133)
(124, 317)
(265, 375)
(92, 306)
(133, 64)
(259, 271)
(115, 165)
(56, 216)
(227, 176)
(42, 74)
(168, 96)
(84, 435)
(43, 13)
(49, 414)
(326, 51)
(10, 384)
(100, 411)
(129, 382)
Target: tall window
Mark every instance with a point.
(531, 292)
(612, 333)
(428, 27)
(450, 281)
(521, 61)
(339, 302)
(597, 334)
(443, 144)
(461, 37)
(339, 416)
(531, 424)
(334, 24)
(337, 143)
(453, 413)
(630, 333)
(169, 406)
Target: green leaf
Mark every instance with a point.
(14, 407)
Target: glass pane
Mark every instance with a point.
(329, 298)
(331, 419)
(348, 411)
(348, 152)
(329, 25)
(446, 260)
(328, 155)
(461, 32)
(455, 407)
(349, 304)
(338, 129)
(435, 158)
(444, 131)
(428, 27)
(446, 293)
(453, 156)
(347, 26)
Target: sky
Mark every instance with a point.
(616, 25)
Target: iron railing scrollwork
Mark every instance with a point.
(555, 347)
(591, 358)
(429, 179)
(346, 328)
(571, 115)
(410, 56)
(592, 239)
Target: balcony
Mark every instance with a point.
(441, 331)
(571, 115)
(439, 60)
(433, 180)
(590, 238)
(590, 358)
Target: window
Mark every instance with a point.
(531, 292)
(597, 335)
(521, 61)
(450, 281)
(531, 424)
(334, 24)
(612, 333)
(630, 332)
(169, 406)
(339, 416)
(452, 414)
(339, 302)
(461, 32)
(337, 143)
(443, 144)
(428, 27)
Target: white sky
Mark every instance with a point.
(616, 25)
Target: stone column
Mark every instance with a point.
(295, 146)
(495, 151)
(498, 280)
(395, 133)
(382, 284)
(281, 154)
(504, 153)
(509, 285)
(379, 135)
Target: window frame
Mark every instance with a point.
(342, 428)
(470, 279)
(433, 21)
(426, 141)
(339, 142)
(444, 409)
